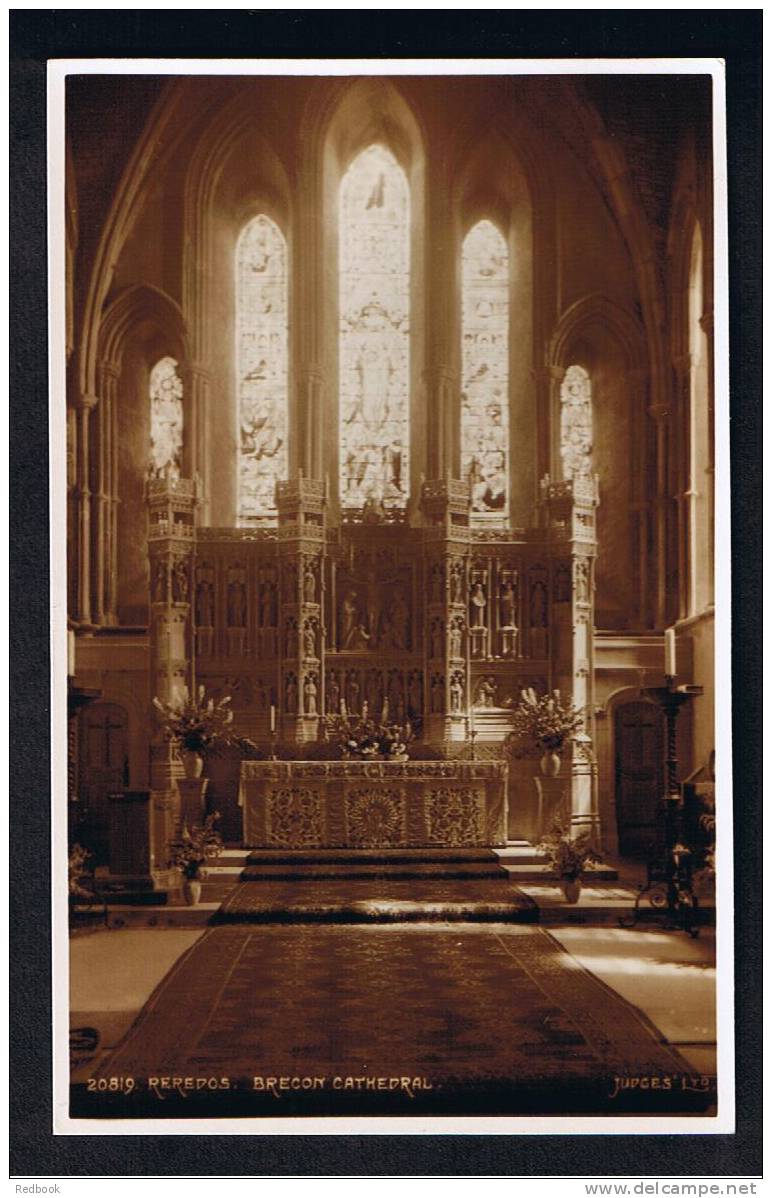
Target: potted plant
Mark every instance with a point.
(197, 726)
(568, 856)
(543, 722)
(190, 853)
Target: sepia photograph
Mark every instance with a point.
(389, 428)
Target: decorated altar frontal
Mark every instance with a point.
(373, 804)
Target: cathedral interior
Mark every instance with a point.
(388, 395)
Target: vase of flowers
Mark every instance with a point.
(568, 856)
(190, 853)
(362, 739)
(543, 723)
(197, 725)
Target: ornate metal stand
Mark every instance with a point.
(669, 878)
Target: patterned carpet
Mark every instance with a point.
(388, 1019)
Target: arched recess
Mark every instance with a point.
(234, 175)
(141, 327)
(360, 114)
(607, 342)
(491, 184)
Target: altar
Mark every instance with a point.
(373, 804)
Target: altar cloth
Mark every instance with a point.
(373, 804)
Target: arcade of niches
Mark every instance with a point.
(389, 392)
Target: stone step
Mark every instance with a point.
(542, 873)
(380, 870)
(366, 856)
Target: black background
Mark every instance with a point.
(37, 36)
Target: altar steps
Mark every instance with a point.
(394, 865)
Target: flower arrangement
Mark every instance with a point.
(76, 870)
(196, 724)
(542, 721)
(568, 856)
(196, 846)
(363, 739)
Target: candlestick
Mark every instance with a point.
(670, 653)
(70, 653)
(273, 718)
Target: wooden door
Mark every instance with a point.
(640, 746)
(104, 769)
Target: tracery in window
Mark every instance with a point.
(374, 264)
(166, 419)
(485, 370)
(576, 423)
(261, 367)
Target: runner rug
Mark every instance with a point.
(393, 1019)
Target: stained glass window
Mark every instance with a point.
(576, 423)
(261, 367)
(165, 420)
(374, 332)
(485, 370)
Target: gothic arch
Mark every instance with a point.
(134, 306)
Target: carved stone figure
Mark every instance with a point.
(309, 584)
(457, 583)
(486, 693)
(237, 597)
(180, 581)
(507, 600)
(477, 604)
(415, 695)
(161, 584)
(309, 640)
(354, 694)
(204, 599)
(310, 693)
(456, 639)
(582, 580)
(456, 694)
(399, 622)
(268, 604)
(349, 620)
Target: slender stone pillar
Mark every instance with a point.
(445, 507)
(86, 406)
(301, 505)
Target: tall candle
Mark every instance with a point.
(273, 718)
(364, 710)
(70, 653)
(385, 711)
(670, 653)
(343, 711)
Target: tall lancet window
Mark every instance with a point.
(261, 367)
(374, 307)
(165, 420)
(576, 423)
(485, 370)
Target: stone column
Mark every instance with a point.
(171, 532)
(301, 506)
(570, 526)
(85, 407)
(445, 508)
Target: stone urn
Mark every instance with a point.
(192, 763)
(572, 888)
(191, 891)
(550, 763)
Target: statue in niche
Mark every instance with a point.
(237, 597)
(290, 636)
(477, 603)
(309, 694)
(162, 579)
(456, 639)
(414, 694)
(438, 694)
(538, 605)
(399, 622)
(438, 639)
(582, 580)
(507, 602)
(291, 695)
(457, 583)
(456, 694)
(180, 581)
(353, 634)
(333, 694)
(268, 602)
(486, 693)
(309, 584)
(437, 582)
(354, 693)
(204, 598)
(309, 640)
